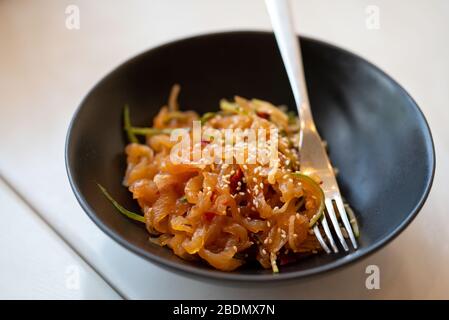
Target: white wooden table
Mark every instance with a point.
(50, 249)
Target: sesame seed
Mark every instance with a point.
(239, 183)
(285, 176)
(242, 193)
(283, 236)
(344, 232)
(295, 235)
(235, 248)
(279, 230)
(261, 185)
(270, 240)
(290, 180)
(265, 241)
(268, 224)
(264, 251)
(254, 180)
(245, 167)
(276, 208)
(298, 216)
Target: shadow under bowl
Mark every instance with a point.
(377, 136)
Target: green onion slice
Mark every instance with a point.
(207, 116)
(122, 210)
(127, 125)
(149, 131)
(314, 188)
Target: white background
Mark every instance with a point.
(46, 240)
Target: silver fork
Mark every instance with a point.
(314, 159)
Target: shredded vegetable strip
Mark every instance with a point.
(148, 131)
(127, 121)
(315, 191)
(121, 209)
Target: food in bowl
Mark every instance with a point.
(224, 187)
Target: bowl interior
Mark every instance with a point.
(377, 136)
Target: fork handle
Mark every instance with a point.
(281, 20)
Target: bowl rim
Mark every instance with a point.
(351, 258)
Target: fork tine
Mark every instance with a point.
(331, 212)
(323, 244)
(328, 233)
(344, 218)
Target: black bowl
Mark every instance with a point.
(378, 138)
